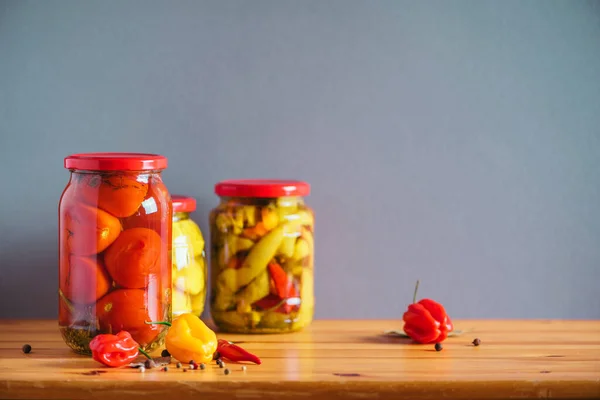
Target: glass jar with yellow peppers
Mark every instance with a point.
(262, 257)
(189, 266)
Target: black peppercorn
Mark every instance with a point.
(178, 365)
(165, 353)
(165, 368)
(192, 362)
(476, 342)
(227, 371)
(216, 355)
(202, 366)
(438, 347)
(26, 349)
(185, 370)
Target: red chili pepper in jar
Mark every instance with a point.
(283, 285)
(234, 353)
(283, 292)
(114, 350)
(426, 321)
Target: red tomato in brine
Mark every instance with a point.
(83, 280)
(153, 212)
(119, 194)
(129, 310)
(88, 230)
(133, 257)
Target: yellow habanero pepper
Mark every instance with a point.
(188, 338)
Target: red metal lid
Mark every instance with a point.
(183, 203)
(115, 161)
(261, 188)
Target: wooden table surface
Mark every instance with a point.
(331, 359)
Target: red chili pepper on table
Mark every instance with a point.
(114, 350)
(426, 321)
(233, 352)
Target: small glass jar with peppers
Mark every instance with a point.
(114, 249)
(189, 262)
(262, 256)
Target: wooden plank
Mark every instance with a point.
(331, 359)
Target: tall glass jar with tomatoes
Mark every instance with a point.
(115, 219)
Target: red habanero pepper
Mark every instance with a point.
(426, 321)
(233, 352)
(114, 350)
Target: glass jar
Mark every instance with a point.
(114, 249)
(189, 263)
(262, 257)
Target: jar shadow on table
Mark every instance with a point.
(53, 357)
(385, 339)
(69, 362)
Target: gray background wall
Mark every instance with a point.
(457, 142)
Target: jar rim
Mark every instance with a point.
(183, 203)
(261, 188)
(115, 161)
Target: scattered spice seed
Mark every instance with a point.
(222, 365)
(185, 370)
(165, 369)
(216, 355)
(243, 367)
(438, 347)
(149, 364)
(227, 371)
(476, 342)
(202, 366)
(178, 365)
(192, 362)
(26, 349)
(165, 353)
(142, 369)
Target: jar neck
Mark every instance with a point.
(180, 216)
(280, 201)
(142, 176)
(118, 172)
